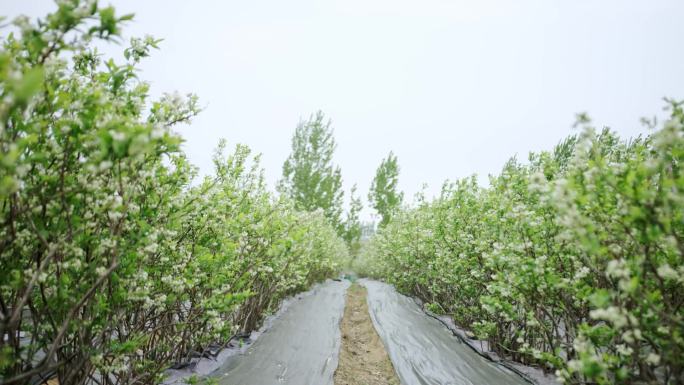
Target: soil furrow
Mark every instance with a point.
(363, 358)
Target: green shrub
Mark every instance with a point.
(572, 261)
(113, 265)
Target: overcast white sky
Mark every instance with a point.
(453, 87)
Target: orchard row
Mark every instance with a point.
(572, 261)
(114, 264)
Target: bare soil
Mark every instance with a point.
(363, 359)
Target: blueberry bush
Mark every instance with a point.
(114, 264)
(572, 261)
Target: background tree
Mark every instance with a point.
(352, 233)
(309, 177)
(383, 195)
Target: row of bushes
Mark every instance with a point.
(572, 261)
(114, 265)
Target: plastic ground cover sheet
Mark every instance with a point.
(300, 348)
(422, 350)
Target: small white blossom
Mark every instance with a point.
(611, 314)
(667, 272)
(653, 359)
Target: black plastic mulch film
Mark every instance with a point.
(302, 346)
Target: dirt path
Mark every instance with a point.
(363, 359)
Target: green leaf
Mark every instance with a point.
(29, 85)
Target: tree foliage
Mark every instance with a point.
(574, 261)
(352, 231)
(310, 178)
(113, 265)
(384, 195)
